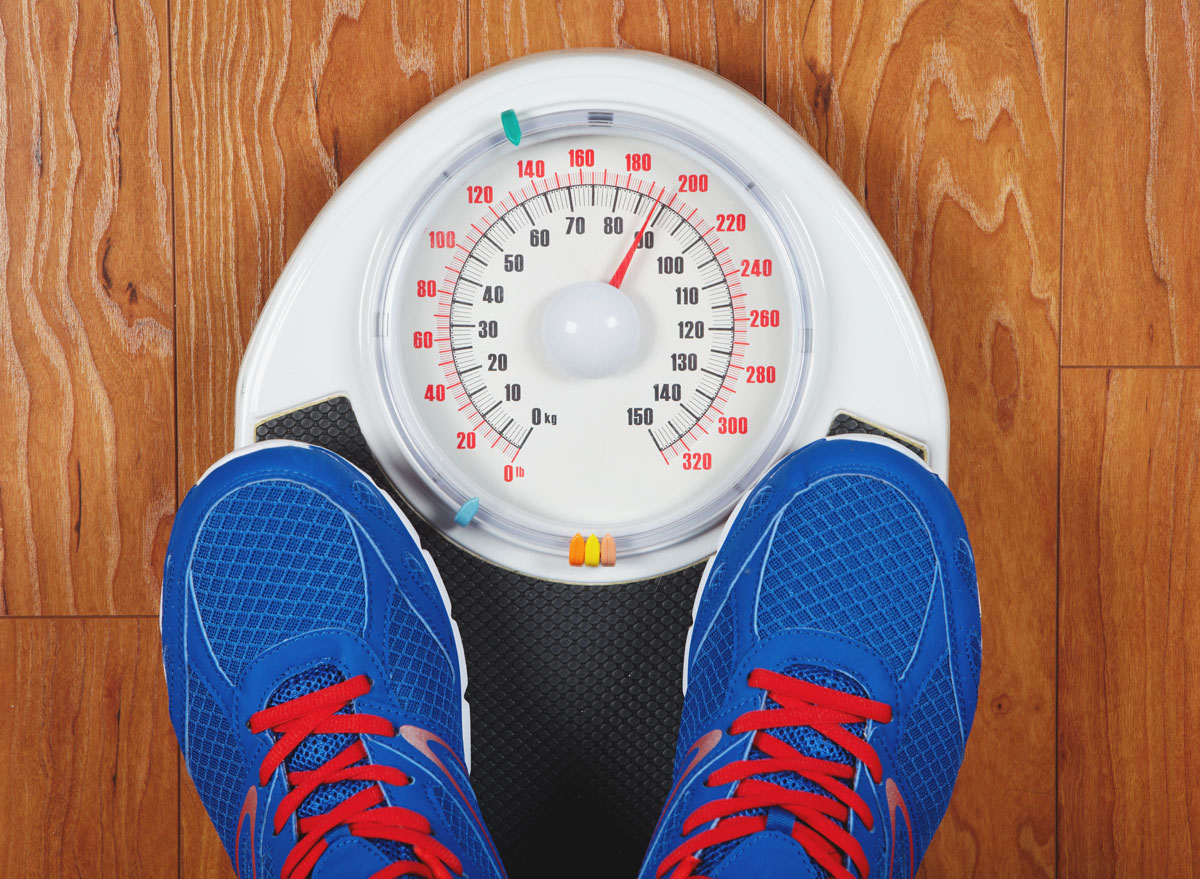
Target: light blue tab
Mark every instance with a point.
(467, 512)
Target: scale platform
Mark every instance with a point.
(567, 315)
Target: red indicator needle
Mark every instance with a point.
(619, 274)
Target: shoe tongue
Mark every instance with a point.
(314, 751)
(808, 742)
(776, 856)
(352, 856)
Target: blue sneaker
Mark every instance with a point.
(315, 677)
(831, 676)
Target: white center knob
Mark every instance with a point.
(591, 329)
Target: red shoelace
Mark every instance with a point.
(362, 813)
(820, 825)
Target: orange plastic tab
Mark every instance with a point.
(608, 551)
(575, 553)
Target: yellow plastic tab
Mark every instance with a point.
(608, 551)
(575, 553)
(591, 551)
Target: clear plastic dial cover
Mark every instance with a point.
(600, 329)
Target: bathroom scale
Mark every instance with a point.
(567, 314)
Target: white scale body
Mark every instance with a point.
(611, 322)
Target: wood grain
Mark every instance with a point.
(722, 35)
(946, 123)
(88, 758)
(1131, 270)
(1129, 662)
(274, 106)
(946, 119)
(87, 480)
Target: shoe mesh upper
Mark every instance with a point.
(965, 562)
(369, 497)
(210, 736)
(930, 753)
(252, 869)
(298, 550)
(423, 681)
(467, 841)
(850, 556)
(709, 678)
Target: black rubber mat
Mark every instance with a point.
(844, 423)
(574, 691)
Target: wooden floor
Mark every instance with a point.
(1033, 169)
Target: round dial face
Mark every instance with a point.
(598, 330)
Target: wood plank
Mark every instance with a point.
(87, 478)
(274, 107)
(1131, 273)
(722, 35)
(88, 756)
(1129, 663)
(947, 126)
